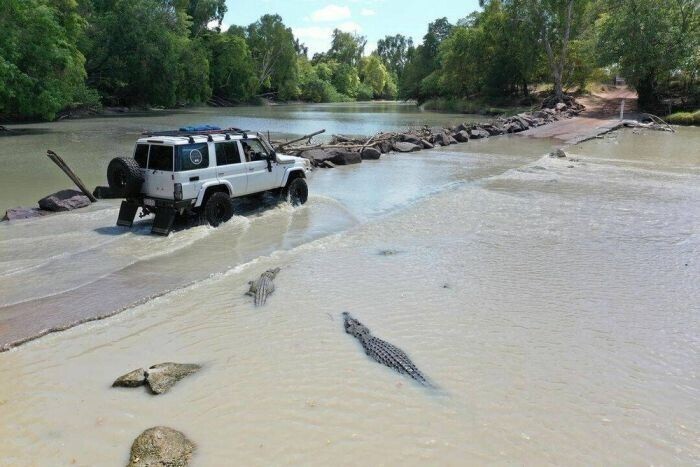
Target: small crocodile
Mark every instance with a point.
(263, 286)
(382, 351)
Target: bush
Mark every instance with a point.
(364, 92)
(684, 118)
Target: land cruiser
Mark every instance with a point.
(198, 170)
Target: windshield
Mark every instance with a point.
(192, 156)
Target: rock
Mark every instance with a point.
(371, 153)
(402, 146)
(426, 144)
(314, 154)
(339, 157)
(132, 379)
(478, 133)
(161, 446)
(327, 165)
(560, 107)
(462, 136)
(493, 129)
(451, 140)
(163, 376)
(384, 146)
(23, 213)
(461, 127)
(558, 153)
(64, 200)
(524, 124)
(408, 138)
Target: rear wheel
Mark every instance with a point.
(296, 192)
(217, 209)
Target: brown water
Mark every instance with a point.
(553, 302)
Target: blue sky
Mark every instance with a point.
(313, 20)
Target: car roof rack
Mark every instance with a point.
(188, 132)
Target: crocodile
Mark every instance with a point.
(261, 288)
(382, 351)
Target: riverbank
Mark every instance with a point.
(499, 255)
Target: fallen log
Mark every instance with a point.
(305, 137)
(67, 170)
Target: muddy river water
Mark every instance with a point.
(555, 304)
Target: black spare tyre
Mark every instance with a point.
(217, 209)
(124, 177)
(296, 192)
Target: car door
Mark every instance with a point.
(259, 178)
(158, 181)
(230, 167)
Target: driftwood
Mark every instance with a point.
(305, 137)
(67, 170)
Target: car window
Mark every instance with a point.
(254, 150)
(192, 156)
(141, 155)
(227, 153)
(161, 158)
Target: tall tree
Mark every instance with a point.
(651, 41)
(393, 50)
(273, 49)
(346, 47)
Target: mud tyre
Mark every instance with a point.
(124, 177)
(217, 209)
(296, 192)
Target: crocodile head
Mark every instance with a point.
(353, 326)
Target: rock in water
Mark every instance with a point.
(371, 153)
(161, 446)
(558, 154)
(23, 213)
(163, 376)
(382, 351)
(263, 286)
(131, 380)
(400, 146)
(64, 200)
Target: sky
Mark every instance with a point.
(313, 21)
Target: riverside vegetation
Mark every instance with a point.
(71, 57)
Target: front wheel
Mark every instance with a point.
(218, 209)
(296, 192)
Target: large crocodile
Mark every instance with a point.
(382, 351)
(263, 286)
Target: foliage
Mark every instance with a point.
(41, 68)
(232, 67)
(373, 73)
(652, 42)
(346, 47)
(684, 118)
(393, 50)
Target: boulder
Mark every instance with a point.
(384, 146)
(493, 129)
(558, 154)
(461, 127)
(426, 144)
(402, 146)
(462, 136)
(560, 107)
(23, 213)
(408, 138)
(314, 154)
(451, 140)
(161, 446)
(64, 200)
(163, 376)
(371, 153)
(339, 157)
(478, 133)
(132, 379)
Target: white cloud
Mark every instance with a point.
(316, 38)
(367, 12)
(331, 13)
(215, 24)
(350, 26)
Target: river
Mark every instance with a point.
(553, 302)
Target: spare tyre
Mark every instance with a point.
(124, 177)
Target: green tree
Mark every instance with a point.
(374, 74)
(273, 49)
(651, 41)
(346, 80)
(393, 50)
(41, 68)
(232, 68)
(346, 47)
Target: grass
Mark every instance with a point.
(684, 118)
